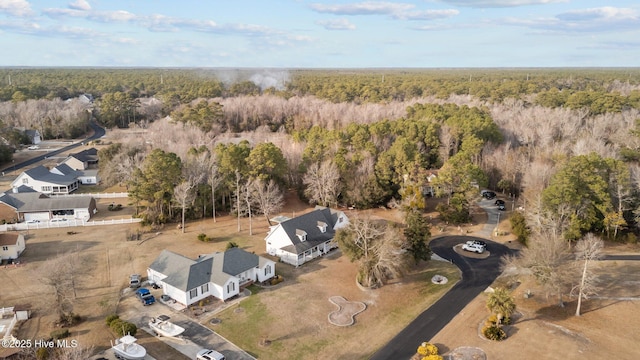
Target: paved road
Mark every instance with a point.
(477, 275)
(98, 132)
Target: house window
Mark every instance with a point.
(204, 288)
(193, 293)
(267, 270)
(302, 235)
(231, 287)
(46, 188)
(5, 248)
(25, 181)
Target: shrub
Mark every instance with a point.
(109, 319)
(70, 319)
(60, 334)
(276, 280)
(432, 357)
(519, 227)
(42, 353)
(631, 238)
(231, 245)
(425, 349)
(202, 237)
(494, 332)
(122, 328)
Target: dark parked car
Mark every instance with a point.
(145, 296)
(499, 202)
(501, 207)
(488, 195)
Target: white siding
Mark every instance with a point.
(231, 288)
(261, 272)
(176, 294)
(276, 240)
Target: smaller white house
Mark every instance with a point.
(220, 274)
(305, 237)
(11, 245)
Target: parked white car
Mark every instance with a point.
(206, 354)
(476, 248)
(33, 147)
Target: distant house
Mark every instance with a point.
(11, 245)
(86, 98)
(83, 160)
(46, 181)
(220, 274)
(85, 165)
(305, 237)
(34, 136)
(26, 206)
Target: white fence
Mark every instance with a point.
(68, 223)
(6, 310)
(113, 195)
(9, 328)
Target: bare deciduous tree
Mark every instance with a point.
(267, 196)
(183, 195)
(588, 249)
(548, 258)
(323, 183)
(58, 273)
(215, 179)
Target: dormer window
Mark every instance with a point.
(322, 226)
(302, 235)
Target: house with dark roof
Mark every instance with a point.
(11, 245)
(41, 179)
(31, 205)
(220, 274)
(305, 237)
(34, 136)
(83, 160)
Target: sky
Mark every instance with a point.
(320, 34)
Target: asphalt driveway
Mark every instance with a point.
(477, 275)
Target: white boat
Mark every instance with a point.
(127, 348)
(163, 327)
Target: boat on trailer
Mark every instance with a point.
(126, 348)
(163, 327)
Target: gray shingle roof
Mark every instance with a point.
(309, 224)
(66, 170)
(88, 155)
(186, 274)
(41, 173)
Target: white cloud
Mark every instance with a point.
(100, 16)
(427, 14)
(607, 13)
(399, 11)
(336, 24)
(499, 3)
(80, 5)
(603, 19)
(363, 8)
(15, 7)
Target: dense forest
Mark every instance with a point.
(361, 138)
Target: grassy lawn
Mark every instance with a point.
(293, 318)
